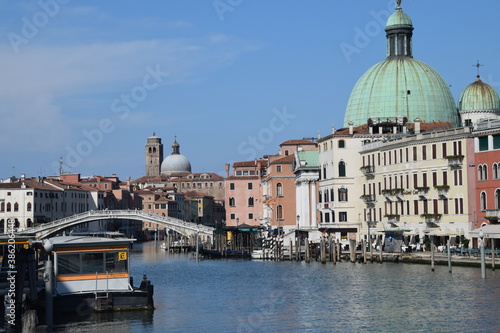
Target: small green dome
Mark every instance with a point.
(479, 96)
(401, 86)
(399, 18)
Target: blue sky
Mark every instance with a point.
(232, 79)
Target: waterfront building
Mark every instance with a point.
(486, 171)
(417, 182)
(400, 86)
(31, 201)
(244, 204)
(279, 191)
(306, 168)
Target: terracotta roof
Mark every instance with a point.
(298, 142)
(249, 163)
(282, 159)
(195, 194)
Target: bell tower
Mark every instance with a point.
(154, 155)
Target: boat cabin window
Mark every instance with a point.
(91, 263)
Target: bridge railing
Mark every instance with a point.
(105, 214)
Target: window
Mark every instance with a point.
(496, 141)
(342, 172)
(434, 151)
(483, 143)
(327, 217)
(483, 201)
(250, 216)
(278, 168)
(444, 150)
(286, 152)
(232, 216)
(250, 186)
(232, 202)
(445, 206)
(341, 144)
(434, 178)
(279, 190)
(9, 207)
(231, 186)
(342, 194)
(2, 207)
(342, 216)
(424, 153)
(495, 171)
(497, 199)
(279, 212)
(250, 202)
(415, 153)
(28, 207)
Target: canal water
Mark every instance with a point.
(263, 296)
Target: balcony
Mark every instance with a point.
(369, 199)
(422, 191)
(455, 161)
(392, 218)
(368, 170)
(388, 194)
(442, 190)
(492, 214)
(431, 218)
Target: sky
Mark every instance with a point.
(88, 82)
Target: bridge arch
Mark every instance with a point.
(184, 228)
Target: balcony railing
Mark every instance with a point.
(392, 218)
(455, 161)
(442, 190)
(422, 191)
(492, 214)
(369, 199)
(368, 170)
(431, 218)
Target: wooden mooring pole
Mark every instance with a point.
(352, 249)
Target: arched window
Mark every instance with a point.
(279, 190)
(250, 202)
(320, 196)
(232, 202)
(483, 201)
(29, 224)
(485, 172)
(150, 150)
(9, 208)
(326, 196)
(495, 171)
(341, 169)
(497, 199)
(342, 194)
(154, 149)
(341, 144)
(279, 212)
(28, 207)
(480, 172)
(16, 207)
(331, 194)
(2, 207)
(2, 226)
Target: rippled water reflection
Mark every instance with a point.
(256, 296)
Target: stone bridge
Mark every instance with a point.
(187, 229)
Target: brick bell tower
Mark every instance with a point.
(154, 155)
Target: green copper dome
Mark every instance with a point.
(401, 85)
(479, 96)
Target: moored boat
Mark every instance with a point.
(92, 273)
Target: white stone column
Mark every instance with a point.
(312, 204)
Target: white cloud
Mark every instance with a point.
(35, 81)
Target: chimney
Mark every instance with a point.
(351, 129)
(227, 170)
(417, 125)
(370, 129)
(333, 129)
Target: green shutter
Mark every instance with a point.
(483, 143)
(496, 141)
